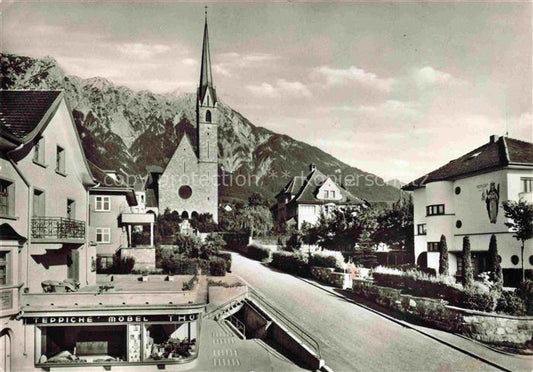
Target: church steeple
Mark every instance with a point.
(206, 108)
(206, 78)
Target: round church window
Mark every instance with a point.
(185, 192)
(457, 190)
(531, 260)
(515, 259)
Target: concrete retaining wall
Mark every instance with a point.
(485, 327)
(286, 340)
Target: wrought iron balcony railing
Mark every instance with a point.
(57, 228)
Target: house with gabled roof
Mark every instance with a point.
(305, 198)
(464, 198)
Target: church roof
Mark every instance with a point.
(305, 190)
(497, 153)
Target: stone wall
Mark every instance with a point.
(486, 327)
(329, 276)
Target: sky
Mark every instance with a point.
(396, 89)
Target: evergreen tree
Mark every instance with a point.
(520, 221)
(443, 259)
(494, 264)
(468, 272)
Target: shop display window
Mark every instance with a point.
(110, 344)
(169, 341)
(82, 344)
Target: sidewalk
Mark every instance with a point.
(476, 349)
(221, 350)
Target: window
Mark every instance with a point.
(527, 184)
(332, 194)
(38, 203)
(4, 278)
(326, 194)
(60, 160)
(208, 114)
(71, 209)
(97, 342)
(185, 192)
(514, 259)
(103, 235)
(38, 151)
(436, 209)
(421, 229)
(7, 198)
(169, 341)
(457, 190)
(103, 204)
(458, 224)
(104, 263)
(433, 246)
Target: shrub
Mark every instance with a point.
(227, 258)
(292, 263)
(217, 266)
(294, 242)
(220, 283)
(323, 261)
(511, 303)
(478, 297)
(256, 252)
(122, 265)
(188, 245)
(525, 291)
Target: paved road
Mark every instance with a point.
(351, 338)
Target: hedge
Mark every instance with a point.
(323, 261)
(475, 297)
(256, 252)
(217, 266)
(226, 257)
(292, 263)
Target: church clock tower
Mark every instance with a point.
(206, 108)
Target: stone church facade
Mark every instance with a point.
(189, 183)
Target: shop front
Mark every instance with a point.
(114, 338)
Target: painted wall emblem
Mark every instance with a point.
(491, 197)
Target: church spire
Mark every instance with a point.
(206, 79)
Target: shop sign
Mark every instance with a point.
(110, 319)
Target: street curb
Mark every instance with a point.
(406, 325)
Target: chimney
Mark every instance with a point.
(312, 167)
(494, 138)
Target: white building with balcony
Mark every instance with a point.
(464, 198)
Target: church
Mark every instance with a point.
(189, 182)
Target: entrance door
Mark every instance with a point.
(5, 351)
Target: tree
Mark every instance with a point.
(204, 222)
(494, 264)
(468, 273)
(256, 199)
(443, 258)
(395, 226)
(257, 220)
(520, 221)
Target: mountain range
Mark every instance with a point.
(128, 130)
